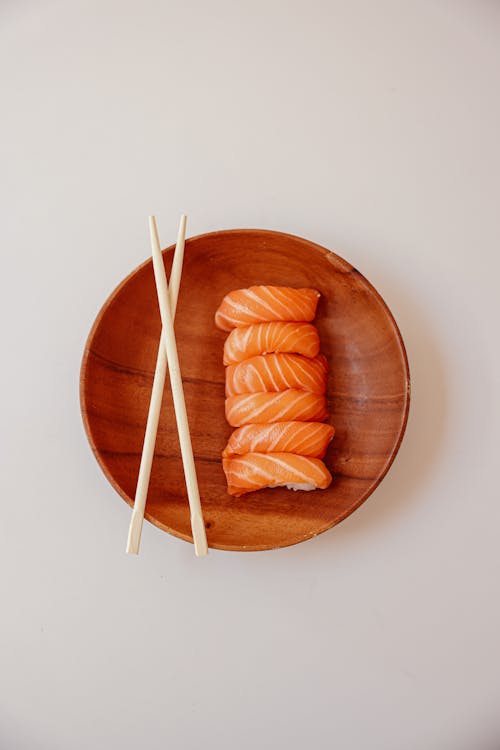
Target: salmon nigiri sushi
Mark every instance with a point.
(262, 338)
(276, 372)
(306, 438)
(285, 406)
(259, 304)
(254, 471)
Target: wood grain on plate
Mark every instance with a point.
(368, 388)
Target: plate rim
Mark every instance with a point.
(343, 265)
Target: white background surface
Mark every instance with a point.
(371, 128)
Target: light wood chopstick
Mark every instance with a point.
(197, 523)
(141, 493)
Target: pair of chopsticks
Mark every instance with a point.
(167, 354)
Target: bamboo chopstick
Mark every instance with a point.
(135, 529)
(197, 523)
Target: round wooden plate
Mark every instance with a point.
(368, 388)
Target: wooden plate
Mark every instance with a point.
(368, 388)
